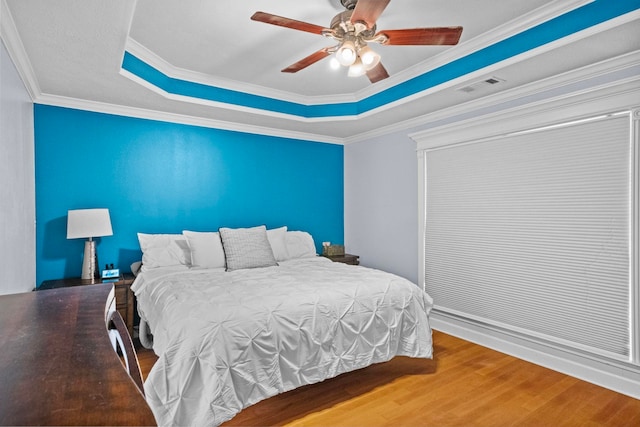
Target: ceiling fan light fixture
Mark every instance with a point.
(359, 27)
(346, 53)
(334, 64)
(353, 29)
(357, 69)
(369, 57)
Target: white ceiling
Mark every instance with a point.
(70, 53)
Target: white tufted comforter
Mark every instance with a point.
(227, 340)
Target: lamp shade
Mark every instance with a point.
(83, 223)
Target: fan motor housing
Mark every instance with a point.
(349, 4)
(341, 24)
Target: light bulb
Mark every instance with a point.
(369, 57)
(334, 64)
(346, 54)
(356, 69)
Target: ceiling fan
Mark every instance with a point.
(354, 29)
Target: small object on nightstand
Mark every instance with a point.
(332, 250)
(325, 245)
(110, 274)
(345, 259)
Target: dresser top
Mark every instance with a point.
(57, 365)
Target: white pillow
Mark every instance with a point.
(206, 249)
(278, 243)
(136, 267)
(164, 250)
(300, 244)
(247, 248)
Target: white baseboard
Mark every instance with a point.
(617, 378)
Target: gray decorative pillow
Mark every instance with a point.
(247, 248)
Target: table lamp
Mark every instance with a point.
(87, 224)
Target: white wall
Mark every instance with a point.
(381, 205)
(17, 181)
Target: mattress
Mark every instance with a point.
(226, 340)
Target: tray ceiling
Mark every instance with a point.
(206, 62)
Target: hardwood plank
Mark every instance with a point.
(464, 385)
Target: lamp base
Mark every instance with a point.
(89, 264)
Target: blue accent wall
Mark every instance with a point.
(159, 177)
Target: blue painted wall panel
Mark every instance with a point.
(158, 177)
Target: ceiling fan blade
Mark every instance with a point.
(287, 22)
(423, 36)
(305, 62)
(368, 11)
(377, 73)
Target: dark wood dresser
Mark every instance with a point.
(125, 300)
(57, 365)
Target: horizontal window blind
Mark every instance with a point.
(532, 231)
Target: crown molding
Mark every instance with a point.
(17, 52)
(600, 71)
(536, 17)
(148, 56)
(227, 106)
(494, 68)
(532, 90)
(599, 97)
(626, 63)
(502, 32)
(141, 113)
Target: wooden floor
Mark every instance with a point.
(464, 385)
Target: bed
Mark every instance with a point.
(229, 337)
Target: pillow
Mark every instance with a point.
(300, 244)
(278, 243)
(164, 250)
(247, 248)
(206, 249)
(135, 267)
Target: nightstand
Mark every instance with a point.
(345, 259)
(124, 297)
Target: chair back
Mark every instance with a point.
(121, 339)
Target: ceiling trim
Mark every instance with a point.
(564, 25)
(504, 31)
(201, 93)
(142, 113)
(610, 72)
(150, 86)
(613, 98)
(614, 71)
(16, 50)
(508, 29)
(144, 54)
